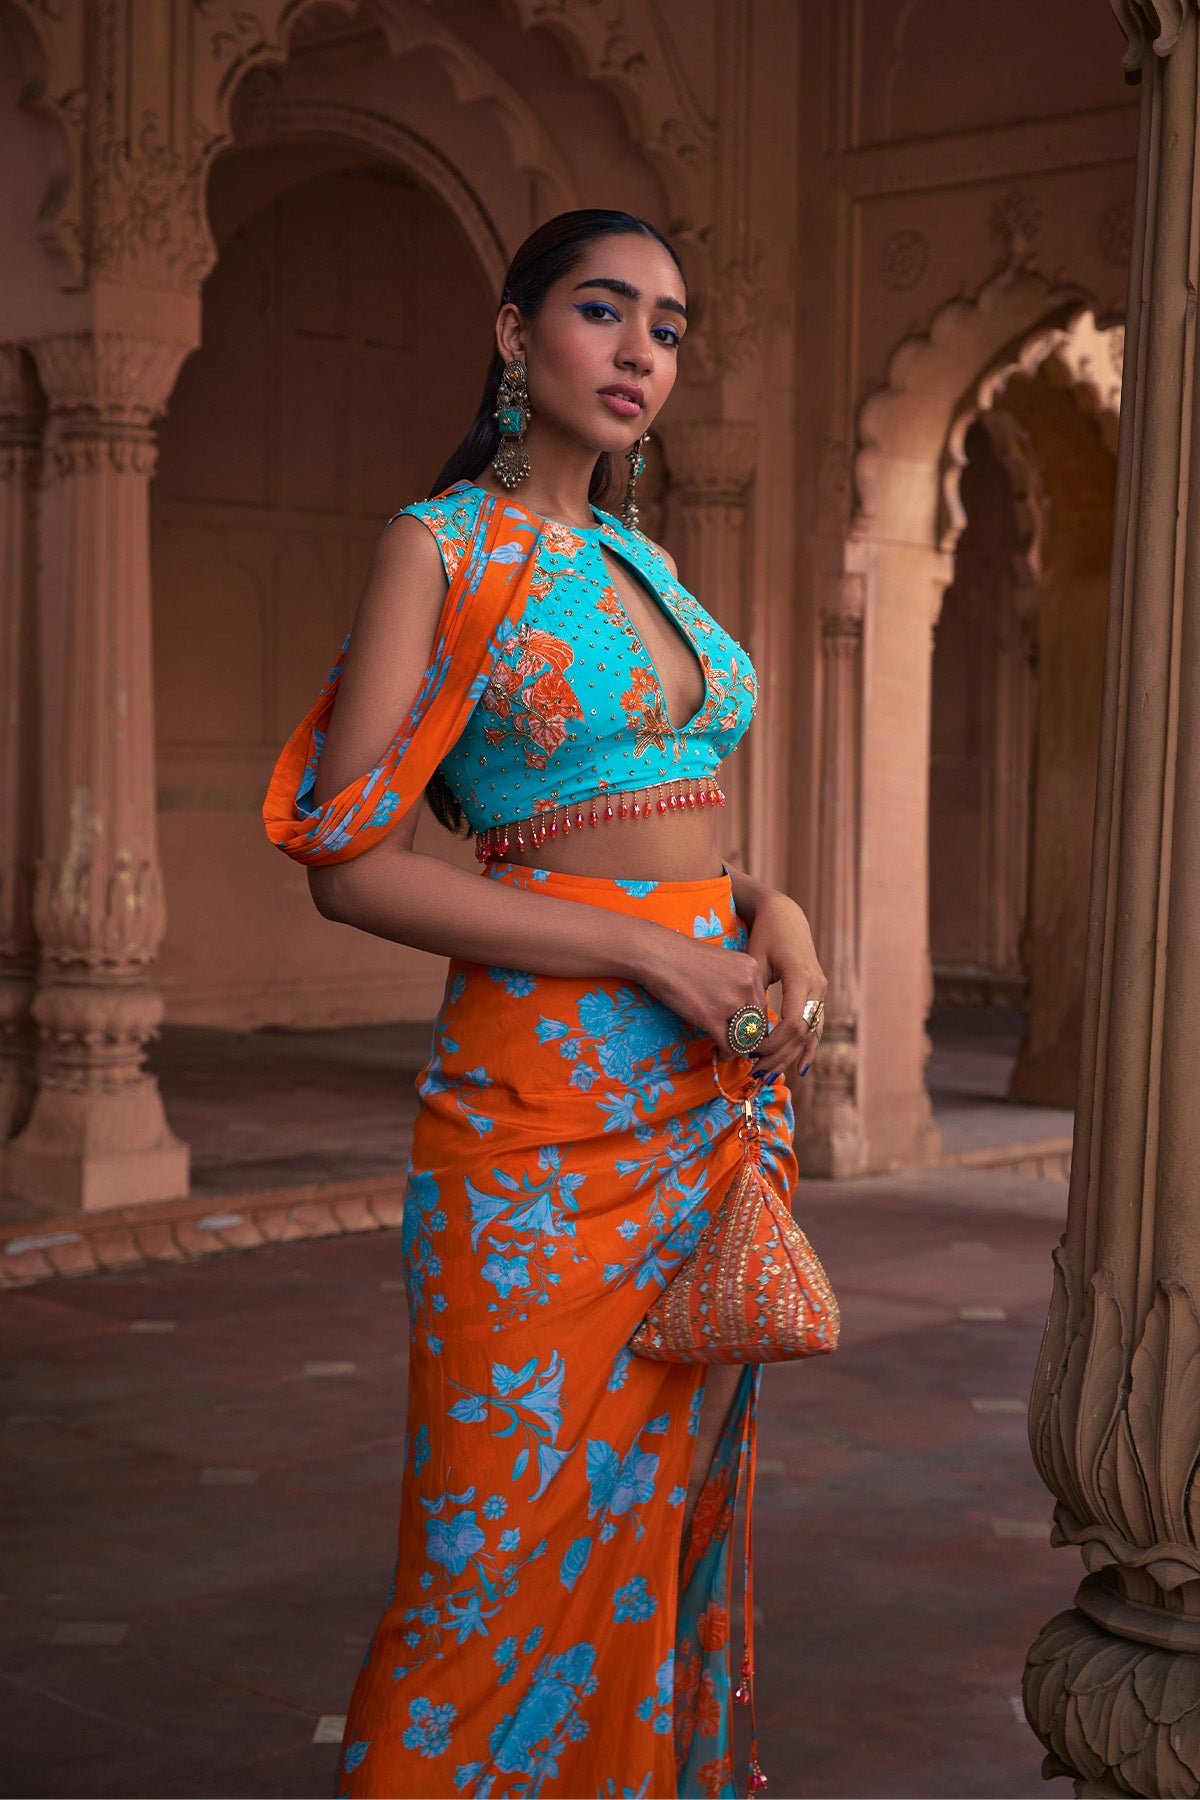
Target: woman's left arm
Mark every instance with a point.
(782, 943)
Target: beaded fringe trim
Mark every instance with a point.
(493, 844)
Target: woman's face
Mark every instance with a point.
(602, 353)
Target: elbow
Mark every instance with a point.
(327, 885)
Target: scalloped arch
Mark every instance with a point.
(634, 60)
(911, 429)
(408, 28)
(1014, 453)
(52, 63)
(1078, 356)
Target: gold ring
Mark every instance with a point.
(745, 1029)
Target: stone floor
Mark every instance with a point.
(202, 1462)
(967, 1076)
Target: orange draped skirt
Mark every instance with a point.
(549, 1631)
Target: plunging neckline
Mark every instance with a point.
(677, 730)
(594, 534)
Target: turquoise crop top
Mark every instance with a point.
(574, 706)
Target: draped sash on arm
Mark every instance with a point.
(482, 608)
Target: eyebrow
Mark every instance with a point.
(612, 285)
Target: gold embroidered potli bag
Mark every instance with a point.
(753, 1290)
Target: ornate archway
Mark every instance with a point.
(870, 1108)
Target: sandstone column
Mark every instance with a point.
(97, 1136)
(830, 1131)
(1112, 1686)
(19, 434)
(712, 465)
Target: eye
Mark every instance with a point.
(667, 334)
(598, 310)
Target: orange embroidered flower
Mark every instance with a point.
(643, 687)
(560, 539)
(543, 647)
(539, 711)
(713, 1626)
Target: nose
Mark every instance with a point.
(636, 351)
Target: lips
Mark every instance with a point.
(623, 398)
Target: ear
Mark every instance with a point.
(510, 333)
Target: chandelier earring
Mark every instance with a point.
(512, 414)
(635, 456)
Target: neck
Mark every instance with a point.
(560, 474)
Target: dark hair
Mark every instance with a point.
(547, 254)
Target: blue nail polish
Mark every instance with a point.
(806, 1068)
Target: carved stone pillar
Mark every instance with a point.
(711, 466)
(20, 407)
(830, 1135)
(97, 1135)
(1112, 1687)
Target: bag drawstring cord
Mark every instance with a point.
(744, 1692)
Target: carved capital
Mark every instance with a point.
(730, 325)
(98, 912)
(143, 216)
(713, 460)
(1149, 25)
(108, 377)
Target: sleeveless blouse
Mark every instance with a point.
(574, 706)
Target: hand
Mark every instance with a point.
(782, 945)
(705, 984)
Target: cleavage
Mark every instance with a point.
(673, 661)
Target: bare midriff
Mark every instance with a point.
(669, 832)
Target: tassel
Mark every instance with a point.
(745, 1689)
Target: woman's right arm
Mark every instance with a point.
(395, 892)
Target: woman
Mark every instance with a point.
(558, 1622)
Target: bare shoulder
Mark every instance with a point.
(406, 552)
(391, 641)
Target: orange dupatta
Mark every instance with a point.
(481, 610)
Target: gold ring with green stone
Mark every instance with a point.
(746, 1029)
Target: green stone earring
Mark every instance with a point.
(512, 413)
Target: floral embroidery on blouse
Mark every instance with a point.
(572, 707)
(536, 714)
(647, 715)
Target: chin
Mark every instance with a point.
(619, 437)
